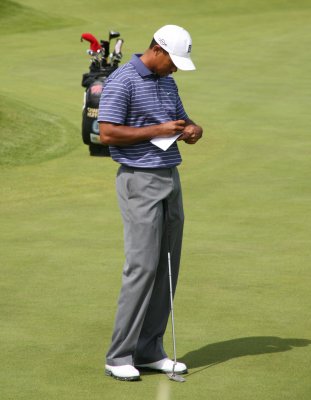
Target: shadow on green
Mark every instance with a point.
(217, 353)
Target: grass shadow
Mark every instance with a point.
(217, 353)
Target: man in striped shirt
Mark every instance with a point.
(139, 103)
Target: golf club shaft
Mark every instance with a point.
(166, 213)
(172, 307)
(172, 376)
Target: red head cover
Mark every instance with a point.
(94, 44)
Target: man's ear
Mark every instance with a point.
(157, 49)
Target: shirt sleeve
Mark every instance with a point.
(113, 104)
(180, 111)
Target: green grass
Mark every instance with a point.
(16, 17)
(30, 135)
(243, 300)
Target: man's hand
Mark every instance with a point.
(172, 128)
(191, 133)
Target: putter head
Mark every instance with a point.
(175, 377)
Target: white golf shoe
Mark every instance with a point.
(166, 366)
(122, 372)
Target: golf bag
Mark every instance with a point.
(102, 64)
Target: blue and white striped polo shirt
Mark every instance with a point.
(134, 96)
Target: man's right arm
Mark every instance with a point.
(122, 135)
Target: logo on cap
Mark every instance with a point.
(189, 48)
(162, 41)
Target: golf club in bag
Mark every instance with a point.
(102, 64)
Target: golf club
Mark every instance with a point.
(113, 35)
(116, 56)
(172, 376)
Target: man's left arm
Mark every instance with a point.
(191, 133)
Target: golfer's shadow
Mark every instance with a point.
(216, 353)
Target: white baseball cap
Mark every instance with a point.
(177, 42)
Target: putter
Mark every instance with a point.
(171, 375)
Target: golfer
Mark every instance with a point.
(140, 102)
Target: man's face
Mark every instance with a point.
(165, 65)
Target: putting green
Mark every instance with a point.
(243, 300)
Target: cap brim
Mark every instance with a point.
(183, 63)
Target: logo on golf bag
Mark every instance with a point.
(96, 89)
(95, 127)
(92, 112)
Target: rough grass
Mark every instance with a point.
(16, 17)
(29, 135)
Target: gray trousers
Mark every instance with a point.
(144, 306)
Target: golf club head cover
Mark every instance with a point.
(94, 44)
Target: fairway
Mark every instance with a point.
(242, 307)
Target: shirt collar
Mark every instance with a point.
(141, 67)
